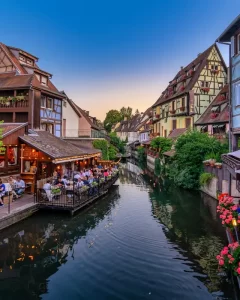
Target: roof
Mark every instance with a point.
(8, 128)
(11, 80)
(229, 31)
(82, 146)
(146, 142)
(170, 153)
(185, 76)
(177, 132)
(130, 125)
(51, 145)
(235, 154)
(22, 78)
(221, 102)
(23, 51)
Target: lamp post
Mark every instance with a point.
(234, 223)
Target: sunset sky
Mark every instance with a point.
(108, 54)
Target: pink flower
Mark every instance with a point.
(234, 207)
(238, 270)
(221, 263)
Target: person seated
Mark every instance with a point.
(77, 176)
(64, 180)
(2, 192)
(105, 173)
(79, 183)
(90, 179)
(47, 189)
(19, 186)
(12, 183)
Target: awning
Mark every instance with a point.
(221, 126)
(215, 126)
(203, 127)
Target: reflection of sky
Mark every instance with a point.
(115, 53)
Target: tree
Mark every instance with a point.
(161, 144)
(117, 142)
(191, 149)
(137, 112)
(126, 112)
(112, 118)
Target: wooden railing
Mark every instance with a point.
(14, 103)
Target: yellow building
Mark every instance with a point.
(190, 92)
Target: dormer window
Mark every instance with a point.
(22, 58)
(30, 62)
(43, 79)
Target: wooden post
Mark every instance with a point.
(21, 158)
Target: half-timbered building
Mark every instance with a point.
(27, 93)
(190, 92)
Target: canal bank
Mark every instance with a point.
(141, 241)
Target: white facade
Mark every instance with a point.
(133, 136)
(71, 120)
(144, 136)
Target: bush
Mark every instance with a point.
(205, 178)
(161, 144)
(191, 149)
(116, 141)
(141, 154)
(103, 146)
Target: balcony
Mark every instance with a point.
(13, 102)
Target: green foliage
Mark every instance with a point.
(126, 112)
(205, 178)
(126, 140)
(112, 118)
(103, 146)
(191, 149)
(2, 149)
(161, 144)
(117, 142)
(141, 154)
(111, 152)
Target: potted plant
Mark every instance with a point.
(182, 108)
(182, 88)
(205, 89)
(218, 165)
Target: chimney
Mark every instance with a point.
(180, 68)
(87, 112)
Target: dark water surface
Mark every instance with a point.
(139, 242)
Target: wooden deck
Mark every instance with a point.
(74, 201)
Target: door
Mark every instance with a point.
(174, 124)
(188, 122)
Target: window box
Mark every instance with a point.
(205, 89)
(184, 76)
(174, 82)
(157, 116)
(182, 88)
(214, 115)
(190, 72)
(214, 71)
(182, 108)
(172, 112)
(222, 97)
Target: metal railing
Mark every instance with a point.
(73, 198)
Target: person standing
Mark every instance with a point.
(2, 192)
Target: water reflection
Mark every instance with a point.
(146, 239)
(44, 243)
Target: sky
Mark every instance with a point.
(107, 54)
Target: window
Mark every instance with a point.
(47, 127)
(49, 103)
(183, 102)
(38, 77)
(220, 85)
(174, 124)
(236, 99)
(64, 103)
(30, 62)
(216, 68)
(232, 46)
(43, 101)
(205, 84)
(187, 122)
(22, 58)
(238, 43)
(202, 83)
(43, 80)
(212, 66)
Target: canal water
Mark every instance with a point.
(144, 240)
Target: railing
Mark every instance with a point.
(15, 104)
(84, 133)
(73, 198)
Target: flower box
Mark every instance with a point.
(218, 165)
(182, 108)
(190, 72)
(214, 115)
(205, 89)
(222, 97)
(157, 115)
(172, 112)
(182, 88)
(174, 82)
(214, 71)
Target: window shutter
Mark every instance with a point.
(232, 46)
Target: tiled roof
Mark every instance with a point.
(51, 145)
(129, 125)
(11, 80)
(220, 102)
(183, 75)
(8, 128)
(177, 132)
(49, 88)
(83, 147)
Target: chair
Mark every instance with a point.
(42, 195)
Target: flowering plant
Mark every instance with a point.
(227, 210)
(229, 258)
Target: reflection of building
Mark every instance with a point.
(27, 93)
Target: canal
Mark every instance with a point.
(144, 240)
